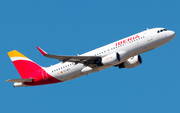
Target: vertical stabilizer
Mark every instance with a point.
(24, 65)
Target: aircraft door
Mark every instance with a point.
(149, 36)
(44, 75)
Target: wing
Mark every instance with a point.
(19, 80)
(87, 60)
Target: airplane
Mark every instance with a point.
(124, 53)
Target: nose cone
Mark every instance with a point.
(171, 34)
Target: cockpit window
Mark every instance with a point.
(161, 30)
(164, 29)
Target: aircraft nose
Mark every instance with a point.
(172, 34)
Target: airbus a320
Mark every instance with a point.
(124, 53)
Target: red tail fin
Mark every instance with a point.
(24, 65)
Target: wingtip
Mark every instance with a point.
(7, 80)
(42, 51)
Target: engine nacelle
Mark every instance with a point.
(131, 62)
(111, 59)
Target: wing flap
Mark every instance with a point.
(19, 80)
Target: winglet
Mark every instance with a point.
(42, 51)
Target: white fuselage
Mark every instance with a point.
(127, 47)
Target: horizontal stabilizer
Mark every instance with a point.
(19, 80)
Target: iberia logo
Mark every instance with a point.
(127, 40)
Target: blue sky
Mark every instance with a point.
(74, 27)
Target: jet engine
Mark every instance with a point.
(111, 59)
(131, 62)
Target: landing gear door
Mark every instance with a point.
(149, 36)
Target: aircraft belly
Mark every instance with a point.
(87, 70)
